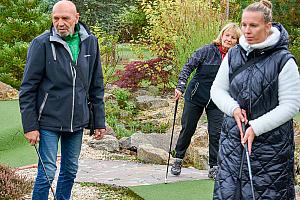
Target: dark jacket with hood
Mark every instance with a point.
(52, 96)
(256, 90)
(206, 61)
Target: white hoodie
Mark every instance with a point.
(288, 90)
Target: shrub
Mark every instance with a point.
(131, 23)
(178, 27)
(108, 51)
(122, 97)
(156, 71)
(102, 12)
(12, 62)
(12, 186)
(295, 46)
(20, 22)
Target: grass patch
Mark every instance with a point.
(200, 189)
(14, 149)
(133, 52)
(113, 192)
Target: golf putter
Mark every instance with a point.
(248, 163)
(172, 134)
(43, 166)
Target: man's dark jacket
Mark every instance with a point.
(52, 96)
(272, 158)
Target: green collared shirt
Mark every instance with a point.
(73, 41)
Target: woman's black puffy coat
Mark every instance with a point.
(272, 157)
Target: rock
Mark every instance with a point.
(198, 156)
(161, 141)
(125, 142)
(7, 92)
(110, 131)
(108, 143)
(159, 115)
(150, 102)
(197, 153)
(200, 138)
(150, 154)
(141, 92)
(153, 90)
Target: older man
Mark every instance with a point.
(62, 70)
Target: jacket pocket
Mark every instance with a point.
(194, 90)
(42, 106)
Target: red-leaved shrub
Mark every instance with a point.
(156, 70)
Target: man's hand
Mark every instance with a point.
(99, 133)
(33, 137)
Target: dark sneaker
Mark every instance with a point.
(212, 172)
(176, 167)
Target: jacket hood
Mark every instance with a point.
(284, 36)
(279, 39)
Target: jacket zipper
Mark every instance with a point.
(250, 96)
(194, 90)
(42, 106)
(73, 70)
(208, 102)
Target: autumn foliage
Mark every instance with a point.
(156, 71)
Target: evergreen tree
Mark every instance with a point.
(20, 22)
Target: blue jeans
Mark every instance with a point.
(70, 150)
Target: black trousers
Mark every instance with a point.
(190, 117)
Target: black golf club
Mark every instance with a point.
(172, 134)
(248, 163)
(238, 193)
(38, 153)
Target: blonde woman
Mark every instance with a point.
(206, 61)
(257, 84)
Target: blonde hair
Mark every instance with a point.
(264, 6)
(232, 26)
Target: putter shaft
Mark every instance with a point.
(248, 163)
(43, 166)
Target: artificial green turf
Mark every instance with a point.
(14, 149)
(186, 190)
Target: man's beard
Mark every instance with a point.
(65, 34)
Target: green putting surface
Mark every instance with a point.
(14, 149)
(186, 190)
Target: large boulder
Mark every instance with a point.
(7, 92)
(157, 140)
(150, 154)
(108, 143)
(150, 102)
(197, 153)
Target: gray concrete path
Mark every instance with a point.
(128, 173)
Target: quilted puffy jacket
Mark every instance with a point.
(272, 157)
